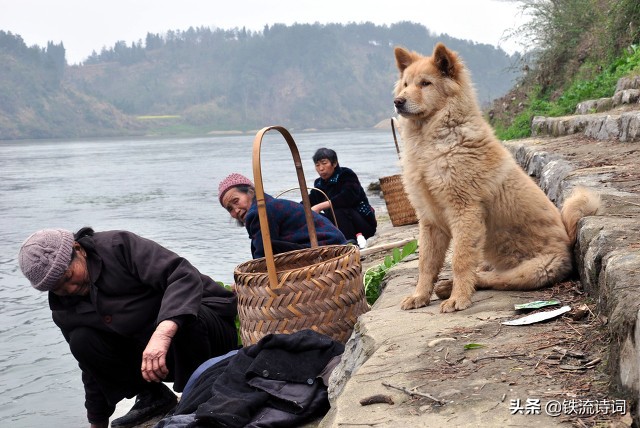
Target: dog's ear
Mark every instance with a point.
(446, 61)
(404, 58)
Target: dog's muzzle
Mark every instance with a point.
(400, 105)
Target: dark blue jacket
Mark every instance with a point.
(288, 227)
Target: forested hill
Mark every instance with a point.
(302, 76)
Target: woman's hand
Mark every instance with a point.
(154, 357)
(321, 206)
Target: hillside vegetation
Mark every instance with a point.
(203, 80)
(578, 51)
(35, 103)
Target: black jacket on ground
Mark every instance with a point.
(272, 383)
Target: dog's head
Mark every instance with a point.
(426, 84)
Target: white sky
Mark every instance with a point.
(87, 25)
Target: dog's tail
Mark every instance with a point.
(582, 202)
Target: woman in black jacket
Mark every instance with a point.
(353, 212)
(134, 313)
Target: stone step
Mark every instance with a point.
(620, 98)
(613, 118)
(624, 83)
(627, 92)
(624, 127)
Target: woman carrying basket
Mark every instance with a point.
(287, 221)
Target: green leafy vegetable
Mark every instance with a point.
(374, 275)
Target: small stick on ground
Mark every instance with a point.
(497, 332)
(574, 329)
(549, 346)
(539, 361)
(487, 357)
(419, 394)
(445, 358)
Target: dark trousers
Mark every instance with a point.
(351, 222)
(114, 361)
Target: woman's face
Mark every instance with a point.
(237, 203)
(325, 168)
(75, 281)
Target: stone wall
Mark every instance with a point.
(607, 254)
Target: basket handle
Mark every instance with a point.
(335, 220)
(260, 199)
(395, 140)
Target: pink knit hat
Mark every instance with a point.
(45, 256)
(232, 180)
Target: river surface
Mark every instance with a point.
(162, 189)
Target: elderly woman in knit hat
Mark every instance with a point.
(134, 314)
(287, 221)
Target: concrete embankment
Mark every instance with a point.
(468, 369)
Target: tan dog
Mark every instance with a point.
(468, 191)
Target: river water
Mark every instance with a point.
(162, 189)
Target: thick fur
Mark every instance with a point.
(469, 192)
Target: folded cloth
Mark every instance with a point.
(274, 382)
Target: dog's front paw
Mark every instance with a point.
(414, 301)
(453, 304)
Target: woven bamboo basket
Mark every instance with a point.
(319, 288)
(401, 212)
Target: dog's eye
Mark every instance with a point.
(425, 83)
(405, 84)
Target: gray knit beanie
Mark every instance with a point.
(45, 256)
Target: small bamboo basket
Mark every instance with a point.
(401, 212)
(319, 288)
